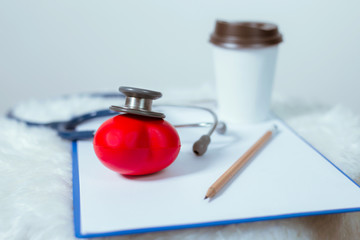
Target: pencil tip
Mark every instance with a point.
(206, 197)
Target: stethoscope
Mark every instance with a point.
(138, 102)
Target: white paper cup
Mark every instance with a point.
(244, 62)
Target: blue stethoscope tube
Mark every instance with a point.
(67, 129)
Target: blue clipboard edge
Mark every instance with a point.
(77, 207)
(76, 190)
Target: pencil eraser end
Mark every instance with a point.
(274, 129)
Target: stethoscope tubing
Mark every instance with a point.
(67, 129)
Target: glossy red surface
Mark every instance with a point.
(136, 145)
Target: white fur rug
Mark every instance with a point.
(36, 178)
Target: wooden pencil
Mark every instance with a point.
(226, 176)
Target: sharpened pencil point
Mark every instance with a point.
(205, 197)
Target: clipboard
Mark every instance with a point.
(287, 178)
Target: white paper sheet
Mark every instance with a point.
(286, 178)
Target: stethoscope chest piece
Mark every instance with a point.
(139, 102)
(138, 141)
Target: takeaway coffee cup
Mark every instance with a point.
(245, 56)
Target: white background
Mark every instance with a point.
(50, 48)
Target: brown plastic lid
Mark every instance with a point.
(245, 34)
